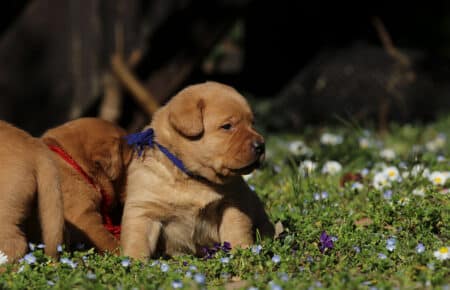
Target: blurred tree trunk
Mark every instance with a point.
(10, 12)
(57, 55)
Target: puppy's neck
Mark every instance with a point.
(204, 175)
(197, 169)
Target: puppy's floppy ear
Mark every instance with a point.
(109, 157)
(126, 151)
(186, 116)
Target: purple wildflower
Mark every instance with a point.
(164, 267)
(391, 244)
(284, 277)
(420, 248)
(226, 247)
(387, 194)
(91, 276)
(176, 284)
(209, 253)
(68, 262)
(200, 278)
(256, 249)
(29, 258)
(276, 259)
(277, 168)
(326, 242)
(382, 256)
(154, 263)
(274, 286)
(125, 263)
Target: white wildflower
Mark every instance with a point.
(442, 254)
(438, 178)
(420, 169)
(380, 180)
(307, 167)
(437, 143)
(364, 143)
(405, 174)
(357, 186)
(388, 154)
(295, 147)
(417, 169)
(364, 172)
(419, 191)
(403, 201)
(331, 139)
(3, 258)
(391, 173)
(331, 167)
(298, 148)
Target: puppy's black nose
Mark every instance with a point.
(258, 147)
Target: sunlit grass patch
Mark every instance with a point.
(358, 211)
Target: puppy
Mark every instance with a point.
(185, 190)
(92, 157)
(27, 175)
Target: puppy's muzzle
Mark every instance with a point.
(258, 147)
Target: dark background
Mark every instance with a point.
(309, 62)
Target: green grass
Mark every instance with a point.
(361, 222)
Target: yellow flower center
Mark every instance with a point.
(443, 250)
(438, 179)
(391, 173)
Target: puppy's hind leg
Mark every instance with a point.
(13, 244)
(50, 203)
(90, 222)
(17, 188)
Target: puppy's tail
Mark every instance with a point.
(50, 202)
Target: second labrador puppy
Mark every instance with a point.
(92, 160)
(28, 176)
(184, 187)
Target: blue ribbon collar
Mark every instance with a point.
(147, 138)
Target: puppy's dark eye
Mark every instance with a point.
(226, 126)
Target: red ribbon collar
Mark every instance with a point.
(106, 200)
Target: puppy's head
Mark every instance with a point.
(97, 144)
(209, 126)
